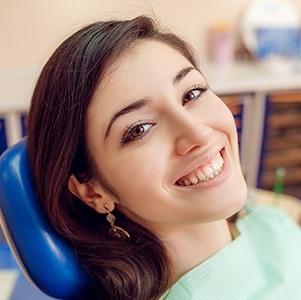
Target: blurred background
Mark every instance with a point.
(249, 51)
(30, 30)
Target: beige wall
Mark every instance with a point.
(31, 29)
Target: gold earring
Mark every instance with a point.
(115, 233)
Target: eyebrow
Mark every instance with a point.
(182, 74)
(133, 106)
(144, 102)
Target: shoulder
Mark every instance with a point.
(269, 215)
(268, 225)
(267, 249)
(275, 240)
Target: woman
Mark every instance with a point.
(136, 163)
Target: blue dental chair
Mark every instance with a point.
(45, 258)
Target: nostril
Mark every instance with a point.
(195, 148)
(188, 145)
(184, 146)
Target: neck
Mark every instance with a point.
(193, 244)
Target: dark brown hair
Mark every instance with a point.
(139, 269)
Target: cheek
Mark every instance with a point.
(137, 172)
(229, 124)
(218, 116)
(226, 120)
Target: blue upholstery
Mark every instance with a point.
(46, 259)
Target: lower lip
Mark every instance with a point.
(218, 179)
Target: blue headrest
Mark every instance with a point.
(46, 258)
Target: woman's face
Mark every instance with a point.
(164, 142)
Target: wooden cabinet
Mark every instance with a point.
(281, 145)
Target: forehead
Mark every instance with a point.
(146, 63)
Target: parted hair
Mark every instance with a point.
(139, 269)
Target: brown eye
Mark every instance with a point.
(195, 93)
(138, 131)
(192, 95)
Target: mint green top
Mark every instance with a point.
(263, 262)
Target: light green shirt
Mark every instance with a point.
(263, 262)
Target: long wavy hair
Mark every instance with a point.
(140, 268)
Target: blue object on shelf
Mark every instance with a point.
(282, 41)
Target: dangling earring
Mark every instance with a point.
(115, 233)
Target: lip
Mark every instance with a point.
(212, 182)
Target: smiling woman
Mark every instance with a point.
(136, 164)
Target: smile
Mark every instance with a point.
(203, 173)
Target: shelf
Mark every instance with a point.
(282, 144)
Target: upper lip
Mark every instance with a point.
(199, 161)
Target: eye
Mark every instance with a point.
(136, 131)
(194, 93)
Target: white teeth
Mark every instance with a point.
(205, 173)
(208, 171)
(219, 163)
(220, 160)
(201, 176)
(187, 182)
(215, 166)
(193, 179)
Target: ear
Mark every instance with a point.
(91, 194)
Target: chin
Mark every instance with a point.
(232, 199)
(238, 199)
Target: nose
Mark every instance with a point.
(190, 134)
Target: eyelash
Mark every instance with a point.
(127, 138)
(200, 88)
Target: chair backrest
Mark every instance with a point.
(44, 257)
